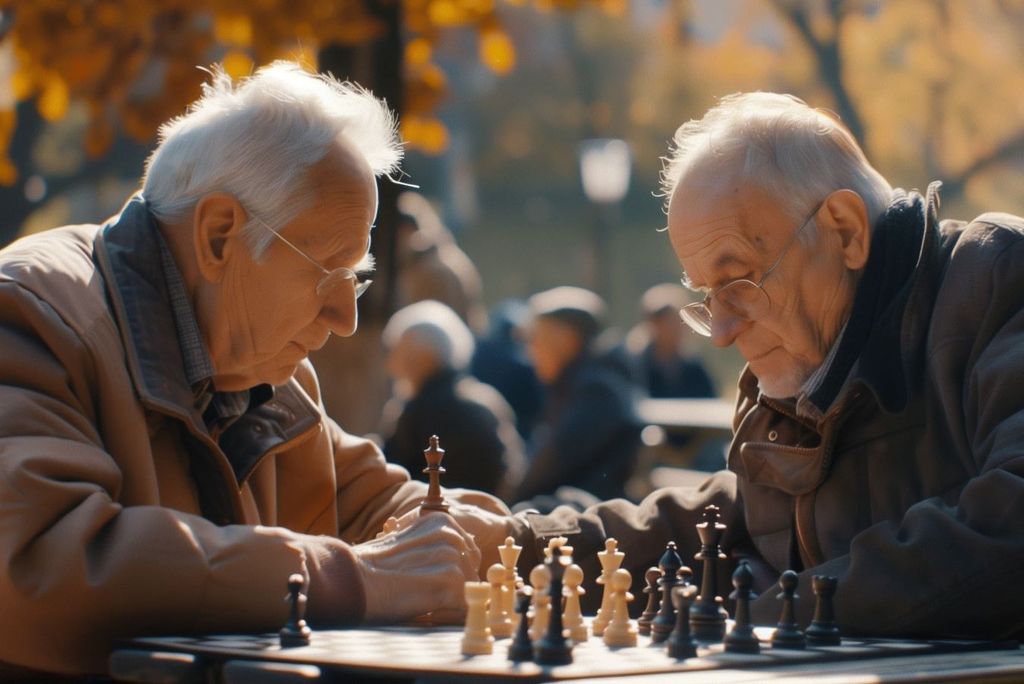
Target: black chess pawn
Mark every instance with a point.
(741, 639)
(295, 632)
(707, 617)
(521, 648)
(680, 642)
(823, 630)
(787, 632)
(643, 625)
(554, 648)
(665, 619)
(434, 500)
(685, 575)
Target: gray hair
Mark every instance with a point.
(436, 327)
(257, 141)
(781, 145)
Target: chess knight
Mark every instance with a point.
(879, 432)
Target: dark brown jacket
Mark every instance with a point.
(910, 484)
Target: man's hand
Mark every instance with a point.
(488, 528)
(419, 569)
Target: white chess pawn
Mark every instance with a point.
(477, 639)
(540, 579)
(390, 525)
(497, 619)
(572, 619)
(509, 553)
(611, 559)
(620, 631)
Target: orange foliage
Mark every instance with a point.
(134, 63)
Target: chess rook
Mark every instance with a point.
(707, 616)
(665, 619)
(434, 501)
(477, 639)
(741, 639)
(295, 632)
(823, 630)
(787, 632)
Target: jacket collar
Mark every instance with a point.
(128, 255)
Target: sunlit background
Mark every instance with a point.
(505, 103)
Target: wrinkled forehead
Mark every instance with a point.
(710, 232)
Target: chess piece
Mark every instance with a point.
(553, 648)
(665, 619)
(681, 644)
(611, 559)
(434, 501)
(741, 639)
(555, 543)
(540, 578)
(823, 630)
(620, 630)
(707, 616)
(573, 616)
(295, 632)
(643, 625)
(390, 525)
(477, 639)
(497, 618)
(521, 648)
(509, 553)
(787, 632)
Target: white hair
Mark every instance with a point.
(781, 145)
(435, 326)
(256, 140)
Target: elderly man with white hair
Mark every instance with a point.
(879, 432)
(429, 350)
(166, 461)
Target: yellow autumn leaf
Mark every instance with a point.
(233, 29)
(417, 52)
(8, 172)
(497, 51)
(53, 100)
(237, 64)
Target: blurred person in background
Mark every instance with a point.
(432, 266)
(429, 349)
(659, 351)
(588, 434)
(500, 360)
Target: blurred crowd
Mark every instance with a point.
(535, 401)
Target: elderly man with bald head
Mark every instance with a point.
(166, 460)
(879, 432)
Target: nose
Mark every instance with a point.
(725, 326)
(339, 313)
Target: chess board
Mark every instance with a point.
(433, 654)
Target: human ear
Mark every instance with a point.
(217, 225)
(845, 214)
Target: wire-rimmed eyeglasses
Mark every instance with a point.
(743, 298)
(330, 279)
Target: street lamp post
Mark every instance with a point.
(605, 166)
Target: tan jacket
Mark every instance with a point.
(119, 514)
